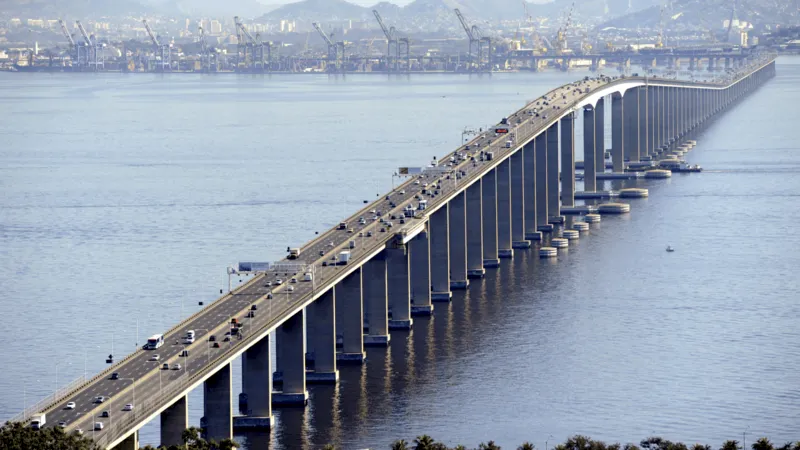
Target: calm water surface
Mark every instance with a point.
(125, 197)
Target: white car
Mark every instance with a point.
(278, 282)
(188, 340)
(128, 407)
(98, 426)
(78, 431)
(62, 424)
(155, 358)
(71, 405)
(291, 288)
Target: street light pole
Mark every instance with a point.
(133, 380)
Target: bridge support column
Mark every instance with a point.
(504, 249)
(130, 443)
(475, 230)
(663, 136)
(439, 224)
(175, 419)
(553, 205)
(568, 160)
(420, 258)
(321, 338)
(643, 133)
(490, 242)
(350, 306)
(375, 282)
(529, 174)
(256, 390)
(589, 154)
(652, 99)
(458, 242)
(618, 118)
(291, 345)
(518, 201)
(542, 224)
(397, 261)
(600, 136)
(217, 410)
(632, 125)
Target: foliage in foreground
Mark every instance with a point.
(15, 436)
(579, 442)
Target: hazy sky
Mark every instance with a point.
(357, 2)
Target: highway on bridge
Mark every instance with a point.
(155, 388)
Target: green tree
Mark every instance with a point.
(400, 444)
(424, 442)
(701, 447)
(488, 446)
(16, 436)
(762, 444)
(526, 446)
(633, 447)
(730, 445)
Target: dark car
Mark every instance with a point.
(253, 307)
(104, 414)
(212, 338)
(216, 345)
(115, 376)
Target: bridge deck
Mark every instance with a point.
(155, 388)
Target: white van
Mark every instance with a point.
(509, 143)
(98, 426)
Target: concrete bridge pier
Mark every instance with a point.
(600, 136)
(130, 443)
(644, 149)
(256, 389)
(489, 202)
(568, 160)
(399, 280)
(291, 345)
(439, 224)
(376, 295)
(631, 144)
(458, 242)
(663, 124)
(504, 248)
(712, 64)
(618, 118)
(532, 232)
(652, 99)
(727, 63)
(672, 118)
(543, 225)
(350, 314)
(518, 239)
(420, 261)
(175, 419)
(475, 230)
(321, 338)
(217, 411)
(692, 64)
(553, 206)
(589, 143)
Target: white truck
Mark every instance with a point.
(38, 421)
(344, 257)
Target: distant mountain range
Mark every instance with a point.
(116, 8)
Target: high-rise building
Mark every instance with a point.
(216, 27)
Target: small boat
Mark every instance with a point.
(670, 249)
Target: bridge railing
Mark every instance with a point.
(42, 404)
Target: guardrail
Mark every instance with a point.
(524, 131)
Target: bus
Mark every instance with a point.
(155, 341)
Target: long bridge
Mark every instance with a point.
(449, 223)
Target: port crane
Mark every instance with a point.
(74, 49)
(536, 39)
(561, 35)
(208, 60)
(397, 49)
(92, 53)
(478, 44)
(162, 52)
(335, 51)
(260, 52)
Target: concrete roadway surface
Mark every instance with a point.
(215, 318)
